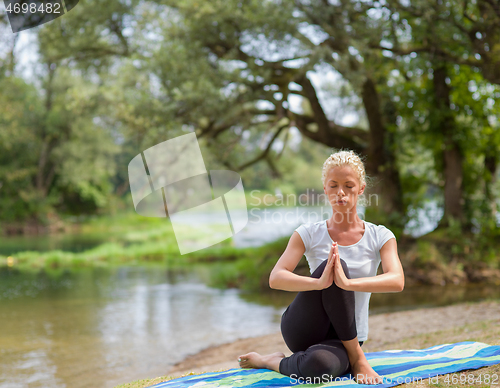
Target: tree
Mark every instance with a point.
(450, 35)
(211, 41)
(55, 157)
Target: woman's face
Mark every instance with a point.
(342, 187)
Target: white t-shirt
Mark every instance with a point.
(362, 259)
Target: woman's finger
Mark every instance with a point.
(332, 252)
(330, 262)
(335, 260)
(332, 248)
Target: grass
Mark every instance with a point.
(131, 239)
(137, 240)
(482, 331)
(437, 258)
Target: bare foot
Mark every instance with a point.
(364, 373)
(256, 361)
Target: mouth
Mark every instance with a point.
(341, 202)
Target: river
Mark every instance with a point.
(101, 327)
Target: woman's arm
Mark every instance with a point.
(392, 280)
(283, 278)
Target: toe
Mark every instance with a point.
(243, 362)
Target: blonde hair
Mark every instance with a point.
(345, 158)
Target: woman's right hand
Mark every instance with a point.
(326, 279)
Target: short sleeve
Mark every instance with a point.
(305, 235)
(384, 235)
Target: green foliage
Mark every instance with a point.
(115, 78)
(251, 269)
(20, 110)
(53, 156)
(428, 253)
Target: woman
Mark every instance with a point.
(327, 322)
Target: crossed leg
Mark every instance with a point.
(319, 326)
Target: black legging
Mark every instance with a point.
(314, 326)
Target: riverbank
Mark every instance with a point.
(415, 329)
(127, 239)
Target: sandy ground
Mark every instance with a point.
(384, 330)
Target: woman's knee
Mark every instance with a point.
(319, 270)
(322, 363)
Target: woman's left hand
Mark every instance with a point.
(339, 275)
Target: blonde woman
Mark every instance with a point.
(327, 322)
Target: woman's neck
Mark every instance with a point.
(344, 221)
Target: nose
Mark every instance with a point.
(338, 194)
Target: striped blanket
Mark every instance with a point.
(394, 366)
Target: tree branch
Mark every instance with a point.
(266, 151)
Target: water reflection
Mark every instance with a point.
(410, 298)
(102, 327)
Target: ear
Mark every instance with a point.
(362, 189)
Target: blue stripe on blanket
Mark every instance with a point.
(395, 366)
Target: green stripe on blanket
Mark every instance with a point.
(395, 366)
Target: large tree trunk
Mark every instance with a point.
(386, 196)
(45, 172)
(452, 157)
(490, 165)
